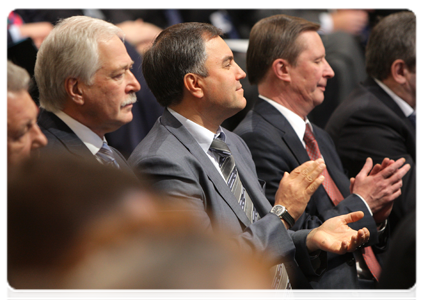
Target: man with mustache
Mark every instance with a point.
(86, 86)
(286, 60)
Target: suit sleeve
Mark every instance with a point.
(379, 135)
(269, 154)
(267, 238)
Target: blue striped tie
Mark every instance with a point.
(105, 156)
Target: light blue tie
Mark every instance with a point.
(105, 156)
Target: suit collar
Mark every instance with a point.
(50, 123)
(382, 96)
(183, 135)
(269, 113)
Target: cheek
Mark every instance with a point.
(21, 147)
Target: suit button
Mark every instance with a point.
(355, 294)
(351, 261)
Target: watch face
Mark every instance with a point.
(278, 210)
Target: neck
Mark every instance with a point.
(284, 99)
(400, 91)
(198, 115)
(80, 118)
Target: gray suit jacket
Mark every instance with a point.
(180, 168)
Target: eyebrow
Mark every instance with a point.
(123, 67)
(227, 58)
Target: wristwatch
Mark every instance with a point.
(283, 214)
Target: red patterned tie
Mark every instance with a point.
(335, 195)
(314, 153)
(371, 261)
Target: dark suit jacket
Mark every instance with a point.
(400, 267)
(61, 139)
(276, 149)
(370, 124)
(180, 168)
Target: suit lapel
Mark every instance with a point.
(287, 133)
(183, 135)
(51, 123)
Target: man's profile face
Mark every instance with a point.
(222, 87)
(108, 101)
(23, 134)
(309, 76)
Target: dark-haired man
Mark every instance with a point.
(286, 60)
(209, 171)
(377, 120)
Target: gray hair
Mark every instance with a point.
(17, 78)
(70, 50)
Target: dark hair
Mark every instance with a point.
(272, 38)
(177, 51)
(51, 201)
(394, 37)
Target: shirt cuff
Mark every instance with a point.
(365, 203)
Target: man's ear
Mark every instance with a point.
(193, 84)
(398, 70)
(281, 68)
(74, 90)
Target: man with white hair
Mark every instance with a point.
(86, 86)
(24, 137)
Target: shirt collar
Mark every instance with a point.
(297, 123)
(86, 135)
(202, 135)
(405, 107)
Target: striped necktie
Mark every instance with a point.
(230, 174)
(105, 156)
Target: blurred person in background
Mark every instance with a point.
(24, 137)
(58, 210)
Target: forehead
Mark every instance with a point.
(217, 50)
(20, 106)
(310, 44)
(113, 53)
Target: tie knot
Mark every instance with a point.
(220, 147)
(105, 154)
(308, 134)
(106, 149)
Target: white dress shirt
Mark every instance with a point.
(86, 135)
(405, 107)
(202, 135)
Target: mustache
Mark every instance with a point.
(131, 99)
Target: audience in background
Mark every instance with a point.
(24, 137)
(76, 224)
(377, 120)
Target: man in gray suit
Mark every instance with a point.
(209, 171)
